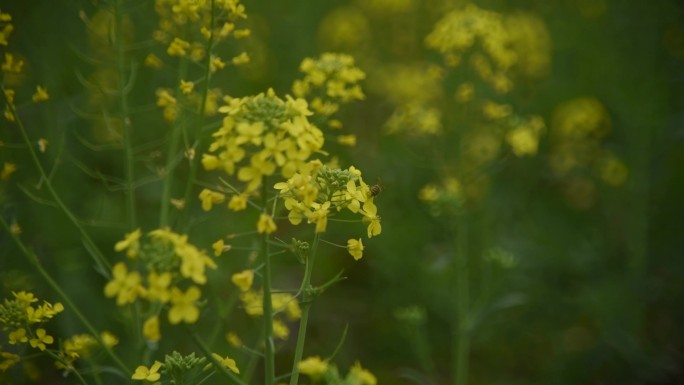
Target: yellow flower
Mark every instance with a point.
(238, 202)
(242, 58)
(280, 330)
(370, 215)
(243, 279)
(148, 374)
(241, 33)
(184, 307)
(355, 248)
(347, 140)
(7, 170)
(151, 329)
(313, 367)
(210, 198)
(9, 359)
(109, 338)
(17, 336)
(130, 243)
(363, 376)
(124, 285)
(40, 95)
(227, 362)
(25, 297)
(233, 339)
(153, 61)
(319, 216)
(216, 64)
(219, 247)
(178, 47)
(186, 87)
(158, 287)
(41, 339)
(523, 141)
(266, 224)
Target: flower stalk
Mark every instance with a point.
(305, 293)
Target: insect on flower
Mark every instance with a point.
(375, 189)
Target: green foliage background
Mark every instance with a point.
(596, 295)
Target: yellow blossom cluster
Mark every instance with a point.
(81, 345)
(578, 130)
(330, 80)
(445, 197)
(322, 192)
(185, 25)
(317, 369)
(262, 135)
(170, 263)
(21, 318)
(461, 29)
(12, 66)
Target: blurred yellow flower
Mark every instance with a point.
(150, 374)
(243, 279)
(40, 95)
(313, 367)
(151, 330)
(355, 248)
(266, 224)
(184, 307)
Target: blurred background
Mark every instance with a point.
(535, 146)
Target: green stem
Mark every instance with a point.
(176, 131)
(306, 306)
(33, 259)
(269, 353)
(461, 332)
(96, 253)
(126, 123)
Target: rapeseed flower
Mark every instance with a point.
(150, 374)
(183, 305)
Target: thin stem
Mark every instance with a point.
(461, 332)
(306, 306)
(90, 245)
(269, 353)
(33, 259)
(176, 131)
(126, 126)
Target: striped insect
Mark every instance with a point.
(375, 189)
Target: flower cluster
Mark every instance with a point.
(267, 133)
(461, 29)
(170, 263)
(175, 16)
(318, 369)
(330, 80)
(12, 67)
(323, 192)
(81, 346)
(191, 29)
(447, 197)
(578, 129)
(22, 319)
